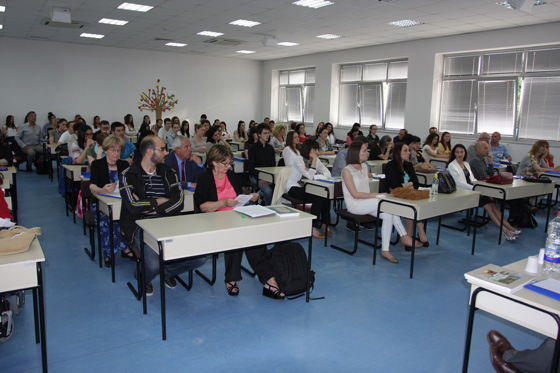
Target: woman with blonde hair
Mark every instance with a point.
(278, 138)
(533, 162)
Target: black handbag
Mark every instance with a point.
(543, 179)
(446, 184)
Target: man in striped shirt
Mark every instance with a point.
(149, 189)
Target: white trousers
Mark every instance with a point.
(369, 207)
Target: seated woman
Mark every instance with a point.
(217, 190)
(444, 146)
(352, 134)
(332, 137)
(291, 151)
(320, 126)
(185, 132)
(253, 138)
(214, 137)
(175, 130)
(399, 172)
(325, 147)
(278, 138)
(80, 146)
(382, 150)
(96, 151)
(104, 179)
(431, 147)
(240, 135)
(463, 176)
(225, 133)
(306, 165)
(129, 128)
(6, 155)
(198, 142)
(533, 162)
(360, 201)
(300, 129)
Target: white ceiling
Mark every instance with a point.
(360, 22)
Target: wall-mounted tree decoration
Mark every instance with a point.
(157, 100)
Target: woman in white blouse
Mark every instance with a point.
(360, 201)
(291, 151)
(129, 129)
(306, 165)
(278, 138)
(463, 176)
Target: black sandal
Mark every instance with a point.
(128, 255)
(272, 292)
(232, 289)
(108, 263)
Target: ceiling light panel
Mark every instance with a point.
(135, 7)
(329, 36)
(1, 27)
(244, 23)
(93, 36)
(405, 23)
(179, 45)
(245, 52)
(210, 33)
(288, 44)
(116, 22)
(313, 3)
(2, 8)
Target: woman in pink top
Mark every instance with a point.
(217, 190)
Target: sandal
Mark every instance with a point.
(128, 254)
(232, 289)
(108, 263)
(272, 292)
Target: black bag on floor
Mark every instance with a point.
(520, 215)
(290, 268)
(41, 165)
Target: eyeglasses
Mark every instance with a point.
(113, 150)
(227, 164)
(162, 149)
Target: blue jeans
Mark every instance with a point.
(151, 262)
(267, 190)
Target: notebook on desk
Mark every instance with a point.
(498, 278)
(549, 287)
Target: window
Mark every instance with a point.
(296, 95)
(513, 92)
(373, 93)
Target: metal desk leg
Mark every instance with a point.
(474, 230)
(162, 291)
(309, 248)
(142, 290)
(111, 243)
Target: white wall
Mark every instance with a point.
(69, 78)
(424, 71)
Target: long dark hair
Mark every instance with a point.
(441, 141)
(9, 123)
(299, 126)
(187, 132)
(210, 134)
(430, 138)
(129, 121)
(307, 146)
(397, 158)
(353, 155)
(290, 142)
(252, 131)
(82, 135)
(239, 133)
(452, 155)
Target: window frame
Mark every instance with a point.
(306, 106)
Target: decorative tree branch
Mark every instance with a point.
(157, 100)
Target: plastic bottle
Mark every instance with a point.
(552, 250)
(435, 185)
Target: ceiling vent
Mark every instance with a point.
(74, 24)
(223, 41)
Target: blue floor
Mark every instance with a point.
(373, 318)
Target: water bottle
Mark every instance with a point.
(435, 186)
(552, 250)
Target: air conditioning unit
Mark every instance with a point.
(73, 24)
(223, 41)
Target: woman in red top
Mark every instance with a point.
(300, 130)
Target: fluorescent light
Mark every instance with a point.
(94, 36)
(288, 44)
(115, 22)
(313, 3)
(1, 27)
(2, 8)
(508, 5)
(405, 23)
(329, 36)
(172, 44)
(244, 23)
(245, 52)
(210, 33)
(135, 7)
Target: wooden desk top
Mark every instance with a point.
(519, 189)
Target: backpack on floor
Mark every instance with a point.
(41, 166)
(290, 268)
(520, 215)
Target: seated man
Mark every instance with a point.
(187, 165)
(28, 137)
(262, 154)
(166, 129)
(104, 127)
(484, 136)
(500, 152)
(478, 163)
(117, 129)
(149, 189)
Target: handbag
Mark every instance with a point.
(425, 168)
(542, 180)
(17, 239)
(503, 178)
(446, 183)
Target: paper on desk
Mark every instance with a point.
(6, 223)
(242, 199)
(549, 284)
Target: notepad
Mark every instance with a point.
(254, 211)
(498, 278)
(284, 211)
(549, 287)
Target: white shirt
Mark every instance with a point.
(289, 156)
(298, 171)
(163, 133)
(64, 138)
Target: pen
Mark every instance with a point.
(243, 216)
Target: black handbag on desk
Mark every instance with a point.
(532, 179)
(446, 183)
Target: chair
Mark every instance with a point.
(89, 220)
(357, 220)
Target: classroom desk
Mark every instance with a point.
(202, 156)
(376, 167)
(48, 151)
(268, 173)
(111, 207)
(10, 177)
(338, 147)
(519, 189)
(438, 162)
(24, 271)
(554, 177)
(236, 146)
(435, 206)
(425, 179)
(328, 160)
(524, 307)
(185, 236)
(72, 178)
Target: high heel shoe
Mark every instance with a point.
(512, 238)
(272, 292)
(232, 289)
(517, 232)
